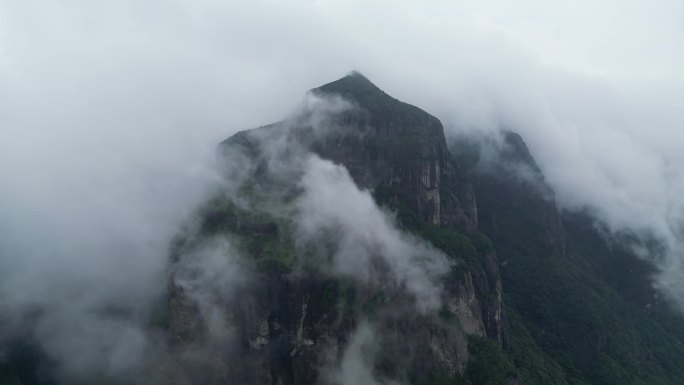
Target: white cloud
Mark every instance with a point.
(356, 363)
(332, 209)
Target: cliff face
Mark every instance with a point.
(402, 150)
(292, 324)
(506, 175)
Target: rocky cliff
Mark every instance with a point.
(294, 322)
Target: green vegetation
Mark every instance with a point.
(264, 237)
(461, 247)
(533, 365)
(453, 243)
(580, 314)
(488, 364)
(437, 377)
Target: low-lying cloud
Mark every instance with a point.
(365, 239)
(356, 363)
(209, 277)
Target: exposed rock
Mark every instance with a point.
(291, 325)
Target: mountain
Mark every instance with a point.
(352, 243)
(298, 314)
(530, 296)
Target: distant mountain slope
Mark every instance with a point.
(584, 299)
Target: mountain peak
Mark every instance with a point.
(386, 111)
(355, 86)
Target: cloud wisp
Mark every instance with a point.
(333, 209)
(354, 367)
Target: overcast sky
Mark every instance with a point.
(110, 111)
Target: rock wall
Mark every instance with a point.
(290, 327)
(291, 330)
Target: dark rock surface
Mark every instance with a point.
(291, 324)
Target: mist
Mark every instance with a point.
(355, 367)
(110, 112)
(332, 204)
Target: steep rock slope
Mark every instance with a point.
(295, 323)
